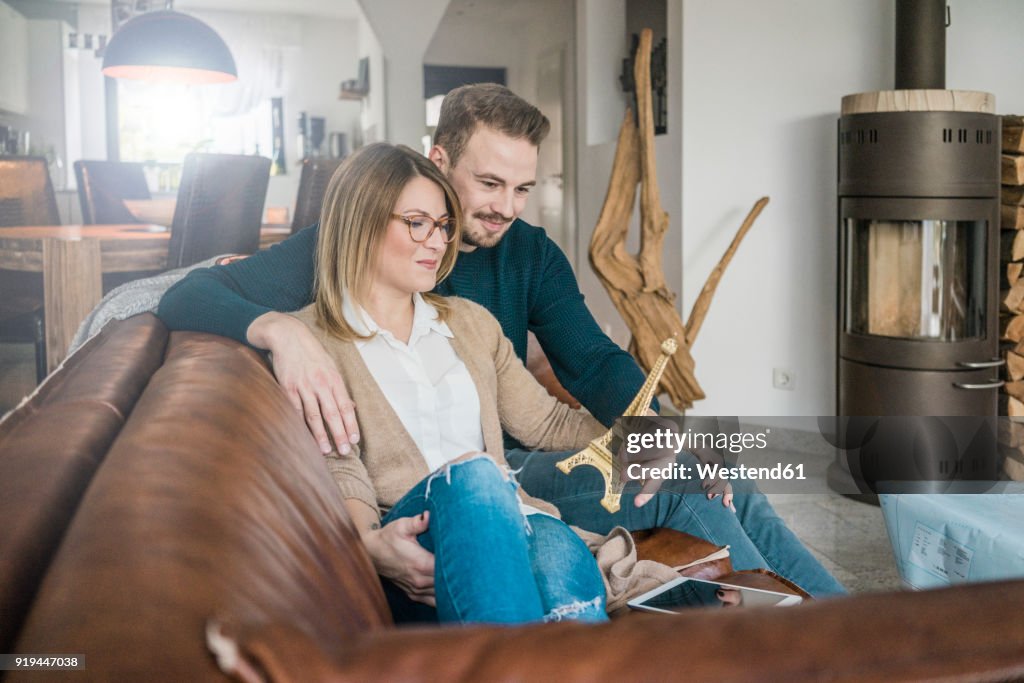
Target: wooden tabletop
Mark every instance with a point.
(123, 248)
(73, 259)
(128, 231)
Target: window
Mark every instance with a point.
(162, 122)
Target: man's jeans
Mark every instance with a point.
(492, 564)
(756, 536)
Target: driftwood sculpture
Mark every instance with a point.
(636, 284)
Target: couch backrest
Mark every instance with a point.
(213, 502)
(52, 445)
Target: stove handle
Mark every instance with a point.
(994, 384)
(995, 363)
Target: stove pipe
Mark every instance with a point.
(920, 44)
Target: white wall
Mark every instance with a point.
(46, 93)
(761, 89)
(372, 118)
(13, 53)
(985, 50)
(516, 42)
(327, 54)
(460, 41)
(602, 47)
(94, 19)
(513, 40)
(405, 30)
(598, 22)
(762, 83)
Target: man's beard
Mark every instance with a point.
(484, 238)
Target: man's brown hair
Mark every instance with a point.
(491, 105)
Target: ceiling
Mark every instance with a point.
(487, 11)
(341, 9)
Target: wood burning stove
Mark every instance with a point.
(918, 221)
(919, 250)
(918, 237)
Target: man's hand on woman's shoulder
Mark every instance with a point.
(310, 379)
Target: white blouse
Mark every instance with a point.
(425, 382)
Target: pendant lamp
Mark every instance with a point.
(166, 45)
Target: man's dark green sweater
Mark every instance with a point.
(525, 282)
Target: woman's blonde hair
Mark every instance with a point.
(358, 204)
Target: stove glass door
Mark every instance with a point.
(920, 279)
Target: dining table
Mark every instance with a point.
(73, 259)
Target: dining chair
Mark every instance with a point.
(316, 173)
(104, 185)
(26, 198)
(26, 193)
(219, 208)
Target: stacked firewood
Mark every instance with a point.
(1011, 403)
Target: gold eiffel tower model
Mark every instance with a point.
(597, 454)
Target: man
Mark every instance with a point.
(486, 143)
(508, 266)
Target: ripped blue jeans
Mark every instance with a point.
(492, 564)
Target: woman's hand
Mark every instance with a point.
(309, 377)
(724, 491)
(397, 555)
(715, 487)
(651, 457)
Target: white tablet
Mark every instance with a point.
(684, 593)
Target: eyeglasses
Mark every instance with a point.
(422, 227)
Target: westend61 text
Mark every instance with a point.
(707, 472)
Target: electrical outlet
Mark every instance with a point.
(783, 379)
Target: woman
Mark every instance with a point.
(440, 519)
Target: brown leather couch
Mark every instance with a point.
(157, 481)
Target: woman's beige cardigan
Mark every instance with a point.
(387, 462)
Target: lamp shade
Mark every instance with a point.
(168, 46)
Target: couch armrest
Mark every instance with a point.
(51, 446)
(214, 497)
(967, 632)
